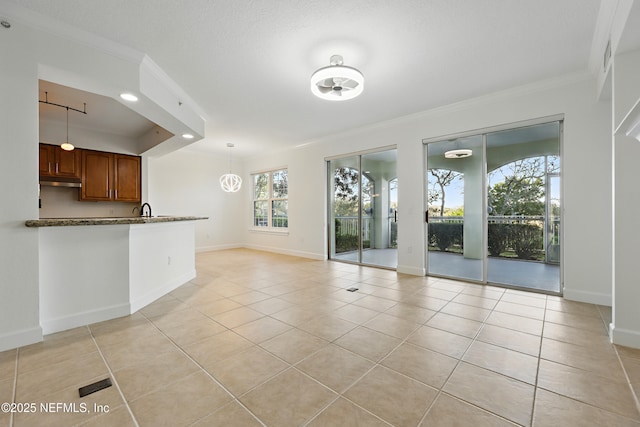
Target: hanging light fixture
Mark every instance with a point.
(230, 182)
(337, 82)
(458, 154)
(66, 145)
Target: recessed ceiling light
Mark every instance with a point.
(458, 154)
(187, 136)
(129, 97)
(337, 82)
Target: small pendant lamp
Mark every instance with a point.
(230, 182)
(66, 145)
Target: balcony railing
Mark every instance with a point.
(515, 236)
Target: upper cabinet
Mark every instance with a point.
(58, 163)
(110, 177)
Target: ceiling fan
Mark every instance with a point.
(337, 82)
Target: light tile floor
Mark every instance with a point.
(264, 339)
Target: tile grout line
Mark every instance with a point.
(15, 385)
(188, 356)
(535, 386)
(113, 377)
(459, 361)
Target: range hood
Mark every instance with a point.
(70, 184)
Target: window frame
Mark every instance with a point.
(270, 198)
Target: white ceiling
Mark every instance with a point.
(104, 114)
(247, 63)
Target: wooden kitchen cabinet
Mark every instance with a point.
(127, 178)
(58, 163)
(110, 177)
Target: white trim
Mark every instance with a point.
(625, 337)
(301, 254)
(84, 318)
(362, 153)
(498, 128)
(150, 297)
(201, 249)
(20, 338)
(588, 297)
(61, 29)
(269, 230)
(412, 270)
(480, 101)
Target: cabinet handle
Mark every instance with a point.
(49, 167)
(56, 167)
(116, 194)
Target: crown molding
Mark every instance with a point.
(58, 28)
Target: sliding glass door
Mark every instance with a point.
(455, 218)
(494, 212)
(523, 178)
(362, 203)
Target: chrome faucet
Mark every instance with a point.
(142, 209)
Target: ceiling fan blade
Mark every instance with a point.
(327, 83)
(349, 84)
(324, 89)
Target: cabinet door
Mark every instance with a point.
(47, 159)
(97, 175)
(127, 178)
(67, 163)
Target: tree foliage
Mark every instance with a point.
(437, 190)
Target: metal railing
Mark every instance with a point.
(549, 236)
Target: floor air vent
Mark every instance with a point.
(92, 388)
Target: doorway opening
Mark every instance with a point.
(494, 207)
(363, 208)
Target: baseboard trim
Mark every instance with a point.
(218, 247)
(301, 254)
(588, 297)
(150, 297)
(411, 270)
(625, 337)
(84, 318)
(20, 338)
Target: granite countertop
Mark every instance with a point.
(62, 222)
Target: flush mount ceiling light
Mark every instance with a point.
(458, 154)
(129, 97)
(337, 82)
(230, 182)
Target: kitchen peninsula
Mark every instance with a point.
(96, 269)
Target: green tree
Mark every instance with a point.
(516, 196)
(437, 191)
(522, 189)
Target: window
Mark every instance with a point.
(270, 199)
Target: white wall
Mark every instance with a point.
(586, 178)
(29, 54)
(19, 192)
(625, 329)
(186, 183)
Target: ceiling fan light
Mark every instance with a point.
(336, 71)
(458, 154)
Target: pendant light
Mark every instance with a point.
(66, 145)
(230, 182)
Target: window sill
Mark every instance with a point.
(269, 231)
